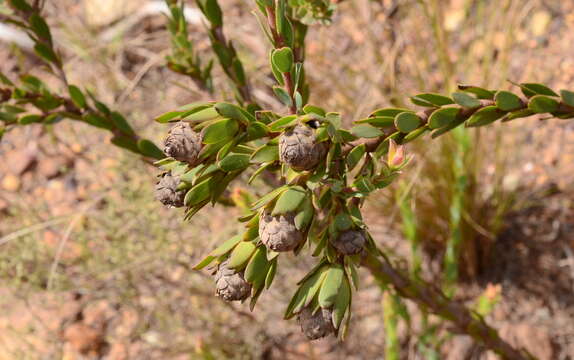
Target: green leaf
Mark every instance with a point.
(21, 5)
(226, 246)
(481, 93)
(541, 104)
(46, 53)
(306, 292)
(126, 143)
(366, 131)
(257, 268)
(438, 132)
(212, 12)
(314, 284)
(204, 262)
(234, 112)
(465, 100)
(30, 119)
(266, 153)
(289, 200)
(121, 123)
(507, 101)
(283, 59)
(219, 131)
(149, 149)
(518, 114)
(310, 109)
(341, 303)
(276, 73)
(166, 117)
(415, 134)
(282, 95)
(378, 121)
(270, 274)
(303, 218)
(198, 193)
(431, 100)
(266, 199)
(442, 117)
(239, 71)
(485, 116)
(355, 155)
(256, 130)
(234, 162)
(531, 89)
(97, 121)
(4, 80)
(77, 96)
(226, 149)
(567, 97)
(330, 287)
(343, 222)
(407, 122)
(8, 117)
(351, 272)
(283, 122)
(241, 254)
(202, 114)
(40, 28)
(392, 112)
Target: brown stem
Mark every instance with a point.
(430, 297)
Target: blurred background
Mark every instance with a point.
(91, 267)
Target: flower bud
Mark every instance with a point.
(230, 285)
(349, 242)
(278, 232)
(166, 191)
(297, 148)
(315, 326)
(183, 144)
(396, 155)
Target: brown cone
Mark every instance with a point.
(316, 326)
(166, 191)
(278, 232)
(230, 285)
(183, 144)
(349, 242)
(297, 148)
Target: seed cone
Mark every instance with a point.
(166, 191)
(183, 144)
(278, 232)
(297, 148)
(315, 326)
(230, 285)
(350, 242)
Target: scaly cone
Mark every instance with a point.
(279, 232)
(315, 326)
(166, 191)
(298, 149)
(230, 285)
(183, 144)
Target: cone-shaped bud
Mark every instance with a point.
(315, 326)
(183, 144)
(350, 242)
(166, 191)
(298, 149)
(278, 232)
(230, 285)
